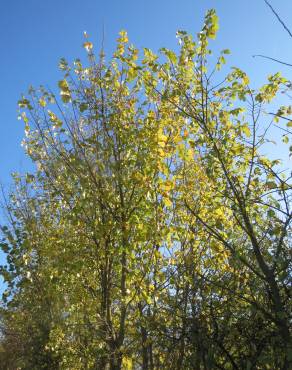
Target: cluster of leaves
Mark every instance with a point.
(154, 234)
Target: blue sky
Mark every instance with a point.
(35, 34)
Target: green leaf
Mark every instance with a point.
(24, 103)
(246, 131)
(63, 85)
(226, 51)
(63, 64)
(83, 107)
(170, 55)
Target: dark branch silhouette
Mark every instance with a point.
(275, 60)
(279, 18)
(286, 29)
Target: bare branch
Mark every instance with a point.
(279, 18)
(275, 60)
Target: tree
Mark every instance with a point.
(154, 232)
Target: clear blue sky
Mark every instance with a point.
(34, 34)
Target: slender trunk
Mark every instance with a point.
(144, 345)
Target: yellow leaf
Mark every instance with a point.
(123, 39)
(42, 102)
(162, 139)
(167, 185)
(127, 363)
(246, 131)
(88, 46)
(167, 202)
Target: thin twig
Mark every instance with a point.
(275, 60)
(279, 18)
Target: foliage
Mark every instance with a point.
(154, 233)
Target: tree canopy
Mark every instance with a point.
(154, 232)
